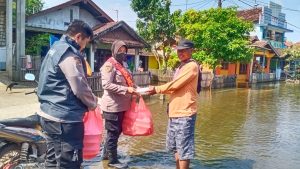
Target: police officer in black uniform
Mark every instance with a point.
(65, 96)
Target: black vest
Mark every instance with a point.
(54, 92)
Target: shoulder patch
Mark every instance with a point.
(51, 52)
(108, 68)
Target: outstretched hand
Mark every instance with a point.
(151, 91)
(132, 90)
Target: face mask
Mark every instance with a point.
(120, 57)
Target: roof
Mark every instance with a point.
(253, 39)
(297, 44)
(266, 46)
(250, 14)
(101, 34)
(89, 5)
(288, 44)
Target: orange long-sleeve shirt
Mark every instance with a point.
(183, 91)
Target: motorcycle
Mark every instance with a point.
(22, 143)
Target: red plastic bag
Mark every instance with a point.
(138, 120)
(93, 129)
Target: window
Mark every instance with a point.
(224, 65)
(269, 34)
(279, 37)
(243, 68)
(71, 15)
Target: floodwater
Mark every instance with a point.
(257, 128)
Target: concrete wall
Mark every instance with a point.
(2, 23)
(153, 63)
(88, 18)
(60, 19)
(2, 34)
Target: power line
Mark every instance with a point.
(204, 5)
(245, 3)
(200, 3)
(266, 4)
(276, 17)
(234, 3)
(186, 4)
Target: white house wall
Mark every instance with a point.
(88, 18)
(258, 31)
(60, 19)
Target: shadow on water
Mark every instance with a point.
(164, 160)
(227, 163)
(263, 86)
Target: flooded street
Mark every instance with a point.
(255, 128)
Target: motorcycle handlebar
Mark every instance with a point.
(29, 93)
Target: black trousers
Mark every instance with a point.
(113, 126)
(64, 144)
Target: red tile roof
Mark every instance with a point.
(297, 44)
(261, 44)
(103, 27)
(288, 44)
(250, 14)
(101, 30)
(267, 46)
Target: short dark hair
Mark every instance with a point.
(78, 26)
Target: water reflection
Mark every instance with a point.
(236, 129)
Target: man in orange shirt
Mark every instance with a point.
(183, 106)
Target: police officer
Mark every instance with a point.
(118, 89)
(65, 96)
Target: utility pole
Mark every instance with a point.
(255, 4)
(117, 14)
(220, 3)
(186, 2)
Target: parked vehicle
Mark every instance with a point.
(23, 145)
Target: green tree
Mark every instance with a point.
(156, 25)
(293, 52)
(219, 35)
(34, 44)
(33, 6)
(173, 61)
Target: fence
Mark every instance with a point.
(263, 77)
(33, 68)
(221, 81)
(95, 84)
(141, 79)
(161, 76)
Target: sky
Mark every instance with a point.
(290, 7)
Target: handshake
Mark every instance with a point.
(142, 91)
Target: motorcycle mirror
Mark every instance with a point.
(29, 77)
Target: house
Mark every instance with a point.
(268, 41)
(107, 33)
(55, 20)
(270, 24)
